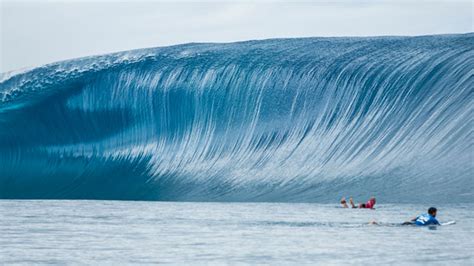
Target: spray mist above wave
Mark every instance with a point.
(275, 120)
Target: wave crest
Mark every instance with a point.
(276, 120)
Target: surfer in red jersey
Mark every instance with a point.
(368, 205)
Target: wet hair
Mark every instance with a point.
(362, 205)
(432, 210)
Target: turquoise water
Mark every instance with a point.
(287, 120)
(125, 232)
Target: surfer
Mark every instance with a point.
(425, 218)
(421, 220)
(368, 205)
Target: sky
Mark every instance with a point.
(38, 32)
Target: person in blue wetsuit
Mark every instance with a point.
(425, 219)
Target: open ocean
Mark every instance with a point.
(140, 232)
(151, 134)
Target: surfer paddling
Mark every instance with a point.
(368, 205)
(425, 218)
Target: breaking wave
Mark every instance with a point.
(304, 120)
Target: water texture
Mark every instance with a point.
(289, 120)
(118, 232)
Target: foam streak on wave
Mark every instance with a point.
(277, 120)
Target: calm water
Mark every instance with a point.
(98, 232)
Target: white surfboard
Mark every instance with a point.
(449, 223)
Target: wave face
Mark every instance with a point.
(299, 120)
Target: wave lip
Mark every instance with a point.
(276, 120)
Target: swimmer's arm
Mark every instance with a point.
(411, 221)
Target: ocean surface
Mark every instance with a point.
(279, 120)
(118, 158)
(140, 232)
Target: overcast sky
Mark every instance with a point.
(39, 32)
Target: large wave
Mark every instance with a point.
(307, 119)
